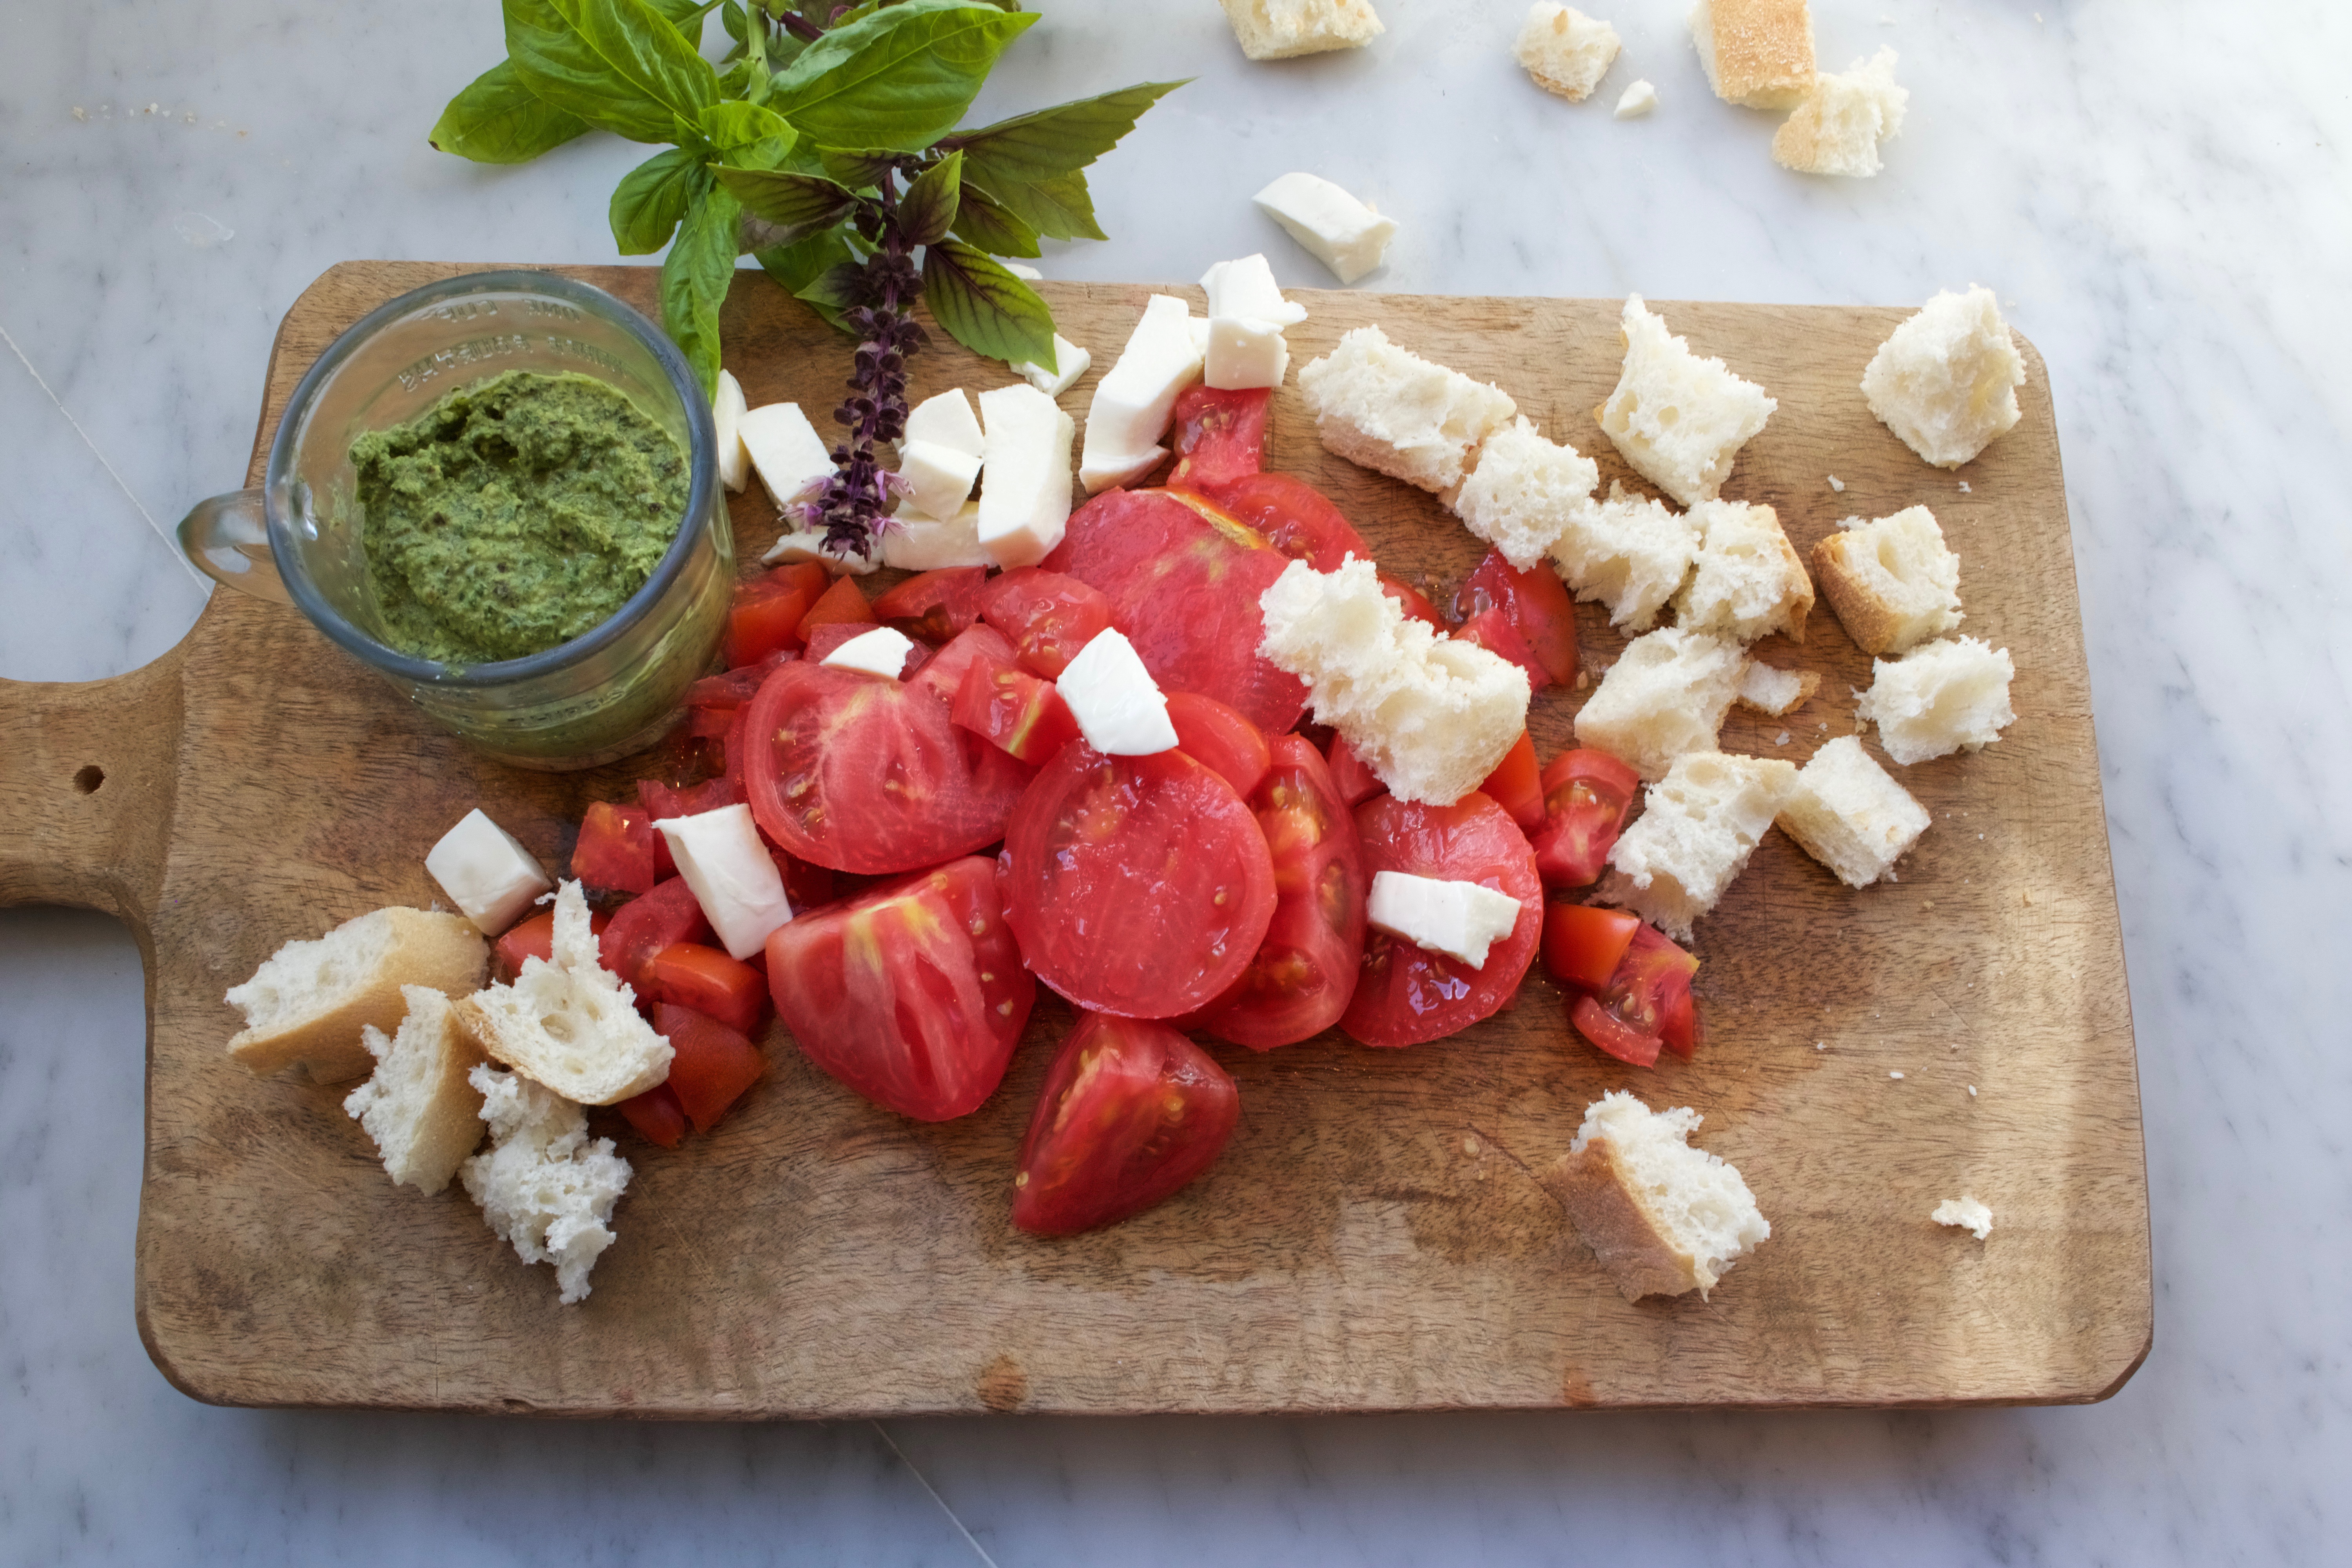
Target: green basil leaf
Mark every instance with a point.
(859, 168)
(732, 125)
(498, 120)
(1059, 208)
(795, 266)
(1032, 147)
(985, 308)
(900, 79)
(652, 198)
(798, 204)
(739, 28)
(617, 64)
(695, 277)
(928, 208)
(835, 289)
(990, 224)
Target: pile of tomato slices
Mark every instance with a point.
(948, 842)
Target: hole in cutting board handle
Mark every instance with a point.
(88, 779)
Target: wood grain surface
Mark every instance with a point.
(1375, 1237)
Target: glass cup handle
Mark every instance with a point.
(227, 537)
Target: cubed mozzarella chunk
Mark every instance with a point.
(948, 421)
(1118, 706)
(808, 544)
(1022, 270)
(1024, 506)
(1133, 401)
(1460, 920)
(882, 652)
(916, 544)
(939, 480)
(1099, 474)
(1344, 234)
(1247, 288)
(727, 411)
(1070, 362)
(486, 873)
(721, 857)
(785, 449)
(1246, 351)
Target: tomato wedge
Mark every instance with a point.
(1183, 581)
(1355, 782)
(711, 1063)
(615, 848)
(535, 938)
(647, 924)
(1139, 886)
(1416, 603)
(767, 611)
(1584, 944)
(1046, 616)
(1614, 1037)
(1536, 604)
(1646, 1000)
(1013, 710)
(911, 993)
(1587, 796)
(656, 1115)
(1405, 995)
(1294, 517)
(1516, 785)
(935, 607)
(1495, 631)
(1219, 437)
(1215, 736)
(873, 776)
(1131, 1112)
(691, 974)
(1299, 981)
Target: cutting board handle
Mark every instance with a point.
(89, 773)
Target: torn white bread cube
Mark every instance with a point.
(1940, 698)
(1680, 418)
(1637, 101)
(570, 1024)
(1024, 503)
(543, 1184)
(913, 542)
(1393, 412)
(1070, 362)
(1665, 697)
(1849, 814)
(311, 1002)
(720, 855)
(1661, 1216)
(1120, 709)
(727, 411)
(1946, 380)
(486, 872)
(1758, 54)
(1698, 826)
(1967, 1211)
(1844, 119)
(1564, 50)
(785, 450)
(1747, 580)
(1629, 553)
(417, 1106)
(1342, 233)
(1136, 397)
(938, 480)
(1775, 691)
(1460, 920)
(946, 420)
(1894, 583)
(1524, 492)
(1284, 29)
(800, 544)
(882, 652)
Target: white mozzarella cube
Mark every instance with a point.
(486, 873)
(808, 544)
(947, 421)
(1245, 352)
(1247, 288)
(1344, 234)
(1460, 920)
(785, 449)
(727, 411)
(1022, 270)
(721, 856)
(916, 544)
(1133, 401)
(1099, 474)
(1070, 362)
(882, 652)
(938, 479)
(1025, 507)
(1118, 706)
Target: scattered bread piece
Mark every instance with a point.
(1849, 814)
(1697, 829)
(1662, 1217)
(1940, 699)
(1637, 101)
(1758, 54)
(1281, 29)
(1524, 492)
(1679, 417)
(1630, 552)
(309, 1001)
(573, 1025)
(1749, 580)
(1665, 697)
(542, 1186)
(1945, 381)
(1566, 51)
(424, 1115)
(1966, 1212)
(1775, 691)
(1397, 414)
(1894, 583)
(1838, 128)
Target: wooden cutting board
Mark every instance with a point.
(1374, 1238)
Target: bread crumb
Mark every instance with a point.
(1637, 100)
(1894, 1075)
(79, 113)
(1820, 1045)
(1782, 738)
(1470, 1144)
(1968, 1213)
(1837, 484)
(1964, 488)
(1972, 1091)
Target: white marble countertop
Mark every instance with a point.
(2164, 205)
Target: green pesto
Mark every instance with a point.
(515, 515)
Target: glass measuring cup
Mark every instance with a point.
(605, 694)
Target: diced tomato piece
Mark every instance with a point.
(1219, 437)
(615, 848)
(934, 606)
(1013, 710)
(1648, 994)
(644, 925)
(1517, 785)
(662, 801)
(712, 1063)
(1215, 736)
(1416, 603)
(1355, 782)
(1537, 604)
(1588, 795)
(1595, 1023)
(824, 639)
(1584, 944)
(709, 724)
(767, 611)
(1046, 616)
(1495, 632)
(844, 601)
(656, 1114)
(1294, 518)
(535, 938)
(707, 980)
(1679, 1025)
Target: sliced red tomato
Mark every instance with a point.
(1406, 995)
(1584, 944)
(934, 606)
(1596, 1023)
(731, 690)
(844, 601)
(644, 926)
(873, 776)
(691, 975)
(1678, 1023)
(1495, 631)
(1416, 603)
(1131, 1112)
(767, 611)
(711, 1062)
(1305, 971)
(615, 848)
(1517, 785)
(1537, 604)
(805, 886)
(1588, 795)
(1294, 517)
(1015, 709)
(1046, 616)
(656, 1115)
(1219, 437)
(535, 938)
(1183, 581)
(912, 994)
(1139, 886)
(1220, 739)
(1355, 782)
(1647, 1002)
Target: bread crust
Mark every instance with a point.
(1612, 1221)
(1867, 617)
(1762, 55)
(450, 1125)
(443, 951)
